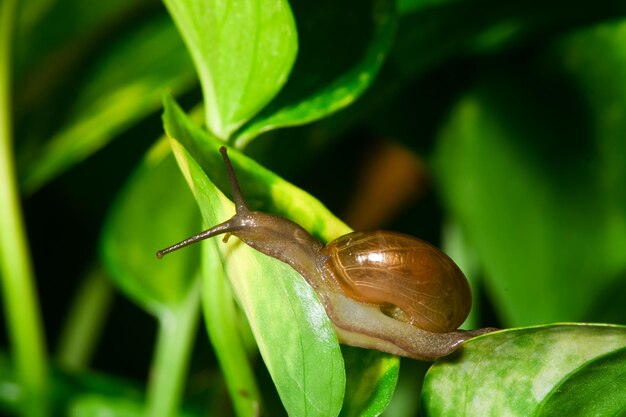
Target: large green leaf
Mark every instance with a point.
(243, 52)
(342, 47)
(123, 88)
(525, 178)
(521, 372)
(289, 323)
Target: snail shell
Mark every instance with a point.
(410, 279)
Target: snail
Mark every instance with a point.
(382, 290)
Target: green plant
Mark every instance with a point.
(517, 110)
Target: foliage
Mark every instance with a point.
(505, 124)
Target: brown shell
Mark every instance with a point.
(398, 271)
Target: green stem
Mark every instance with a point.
(169, 367)
(20, 301)
(84, 321)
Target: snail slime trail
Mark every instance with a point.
(382, 290)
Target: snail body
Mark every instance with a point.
(382, 290)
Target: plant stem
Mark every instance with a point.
(177, 328)
(20, 301)
(84, 321)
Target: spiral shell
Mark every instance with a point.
(408, 278)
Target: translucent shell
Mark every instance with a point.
(410, 279)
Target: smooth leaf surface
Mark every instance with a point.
(243, 52)
(125, 87)
(549, 234)
(342, 47)
(289, 323)
(153, 210)
(513, 372)
(371, 378)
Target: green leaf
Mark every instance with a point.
(598, 80)
(371, 378)
(342, 47)
(123, 88)
(288, 321)
(243, 52)
(154, 209)
(514, 372)
(594, 389)
(517, 193)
